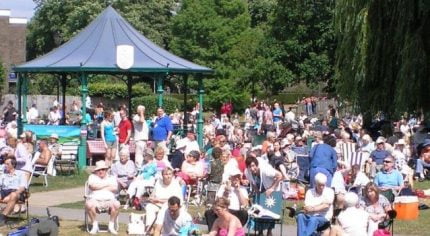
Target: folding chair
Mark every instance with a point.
(87, 193)
(69, 155)
(346, 149)
(41, 170)
(272, 206)
(357, 158)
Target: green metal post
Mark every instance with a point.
(160, 90)
(24, 99)
(82, 162)
(130, 95)
(19, 105)
(200, 118)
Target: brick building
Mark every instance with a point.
(12, 42)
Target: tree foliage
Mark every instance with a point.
(383, 57)
(56, 21)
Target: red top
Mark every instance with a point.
(123, 127)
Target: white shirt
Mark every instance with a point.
(141, 129)
(233, 197)
(290, 116)
(102, 194)
(190, 145)
(171, 226)
(162, 191)
(338, 182)
(353, 221)
(267, 175)
(312, 198)
(32, 114)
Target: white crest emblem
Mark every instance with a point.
(270, 202)
(124, 56)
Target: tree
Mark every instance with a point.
(383, 56)
(302, 33)
(206, 32)
(56, 21)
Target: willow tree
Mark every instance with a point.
(383, 55)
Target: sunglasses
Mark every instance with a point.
(386, 161)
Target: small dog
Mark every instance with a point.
(136, 226)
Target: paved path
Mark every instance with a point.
(57, 197)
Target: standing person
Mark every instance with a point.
(107, 132)
(162, 130)
(33, 115)
(141, 133)
(267, 124)
(278, 116)
(323, 160)
(124, 130)
(9, 113)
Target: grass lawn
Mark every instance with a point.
(67, 228)
(58, 182)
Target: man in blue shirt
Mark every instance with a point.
(162, 130)
(378, 155)
(389, 179)
(13, 183)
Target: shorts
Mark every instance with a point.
(103, 205)
(111, 144)
(6, 192)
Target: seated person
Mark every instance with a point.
(124, 170)
(318, 207)
(54, 146)
(44, 154)
(237, 196)
(162, 162)
(389, 179)
(423, 162)
(353, 220)
(230, 165)
(163, 190)
(226, 223)
(177, 157)
(192, 168)
(376, 205)
(103, 188)
(145, 178)
(357, 180)
(173, 219)
(13, 183)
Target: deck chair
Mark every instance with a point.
(41, 170)
(357, 158)
(266, 210)
(87, 193)
(69, 155)
(346, 149)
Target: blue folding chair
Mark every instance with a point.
(273, 203)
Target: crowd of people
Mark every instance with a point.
(244, 156)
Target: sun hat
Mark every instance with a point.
(101, 165)
(235, 172)
(380, 139)
(400, 142)
(54, 135)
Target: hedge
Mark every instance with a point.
(117, 90)
(170, 104)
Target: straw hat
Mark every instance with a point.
(54, 135)
(101, 165)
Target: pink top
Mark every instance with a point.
(224, 232)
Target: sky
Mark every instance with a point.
(19, 8)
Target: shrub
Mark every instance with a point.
(170, 104)
(116, 90)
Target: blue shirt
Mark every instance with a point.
(378, 156)
(13, 181)
(162, 127)
(109, 132)
(277, 114)
(388, 179)
(324, 156)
